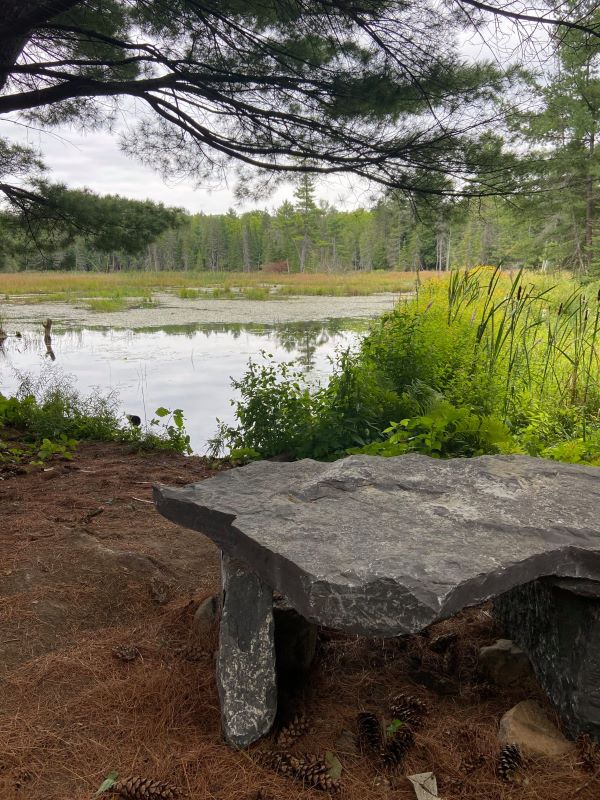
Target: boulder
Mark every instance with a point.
(505, 664)
(528, 726)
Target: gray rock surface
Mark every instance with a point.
(246, 657)
(558, 624)
(387, 546)
(505, 663)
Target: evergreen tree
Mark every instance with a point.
(567, 161)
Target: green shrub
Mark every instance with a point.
(509, 362)
(51, 411)
(445, 432)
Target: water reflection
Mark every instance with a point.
(186, 366)
(47, 326)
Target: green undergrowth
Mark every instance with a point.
(479, 362)
(47, 419)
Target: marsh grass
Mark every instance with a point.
(106, 304)
(256, 293)
(69, 286)
(188, 294)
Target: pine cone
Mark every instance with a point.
(314, 771)
(137, 788)
(126, 652)
(286, 763)
(370, 733)
(294, 729)
(589, 752)
(397, 746)
(510, 761)
(408, 709)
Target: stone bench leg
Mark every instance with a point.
(246, 657)
(557, 623)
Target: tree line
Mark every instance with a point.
(475, 162)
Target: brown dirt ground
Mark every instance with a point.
(81, 549)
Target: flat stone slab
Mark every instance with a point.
(386, 546)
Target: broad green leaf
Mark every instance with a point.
(334, 764)
(394, 726)
(107, 783)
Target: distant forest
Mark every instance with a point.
(540, 232)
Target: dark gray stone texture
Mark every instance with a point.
(558, 623)
(246, 657)
(387, 546)
(295, 642)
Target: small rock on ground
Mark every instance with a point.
(528, 726)
(505, 664)
(205, 615)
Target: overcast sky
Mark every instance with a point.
(94, 160)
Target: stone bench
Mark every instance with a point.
(387, 546)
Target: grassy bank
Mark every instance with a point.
(48, 417)
(74, 286)
(478, 362)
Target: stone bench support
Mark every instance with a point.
(246, 657)
(557, 622)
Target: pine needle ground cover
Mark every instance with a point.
(101, 673)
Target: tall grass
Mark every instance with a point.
(480, 361)
(525, 349)
(72, 285)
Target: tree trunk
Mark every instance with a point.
(18, 20)
(589, 204)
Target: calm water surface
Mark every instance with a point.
(178, 367)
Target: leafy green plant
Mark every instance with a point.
(63, 448)
(173, 435)
(479, 362)
(51, 413)
(275, 411)
(444, 432)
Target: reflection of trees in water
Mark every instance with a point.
(303, 337)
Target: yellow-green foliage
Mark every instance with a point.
(518, 346)
(478, 362)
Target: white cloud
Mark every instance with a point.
(94, 160)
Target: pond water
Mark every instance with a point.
(188, 367)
